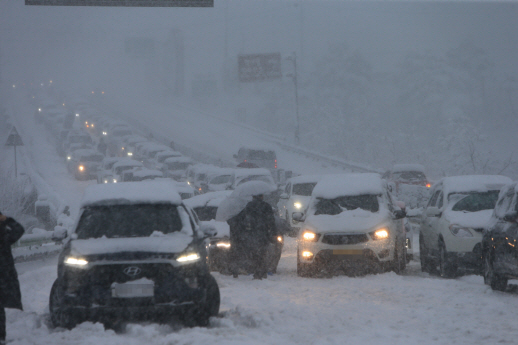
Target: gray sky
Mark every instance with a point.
(74, 42)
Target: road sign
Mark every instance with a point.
(259, 67)
(14, 138)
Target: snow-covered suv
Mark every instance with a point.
(352, 224)
(453, 221)
(137, 253)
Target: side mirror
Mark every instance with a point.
(208, 229)
(398, 214)
(298, 216)
(59, 234)
(284, 196)
(511, 217)
(433, 212)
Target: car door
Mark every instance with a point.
(429, 220)
(283, 201)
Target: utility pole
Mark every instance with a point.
(293, 76)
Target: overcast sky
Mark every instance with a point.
(75, 42)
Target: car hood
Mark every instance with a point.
(171, 243)
(348, 221)
(475, 220)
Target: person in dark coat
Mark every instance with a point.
(10, 295)
(256, 226)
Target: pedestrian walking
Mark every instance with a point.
(256, 229)
(10, 295)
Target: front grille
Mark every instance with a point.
(337, 239)
(130, 256)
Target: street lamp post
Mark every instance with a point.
(293, 76)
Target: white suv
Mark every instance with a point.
(295, 198)
(351, 224)
(453, 221)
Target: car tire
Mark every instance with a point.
(427, 264)
(496, 281)
(447, 269)
(399, 262)
(59, 316)
(200, 315)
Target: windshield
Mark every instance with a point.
(263, 178)
(221, 179)
(178, 166)
(303, 189)
(347, 203)
(409, 176)
(92, 158)
(474, 202)
(128, 221)
(206, 213)
(261, 155)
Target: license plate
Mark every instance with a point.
(347, 252)
(132, 290)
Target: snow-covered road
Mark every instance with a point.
(413, 308)
(285, 309)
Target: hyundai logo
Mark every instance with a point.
(132, 271)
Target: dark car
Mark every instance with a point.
(137, 253)
(500, 240)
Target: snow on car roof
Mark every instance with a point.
(127, 162)
(334, 186)
(473, 183)
(258, 148)
(144, 172)
(178, 160)
(129, 193)
(305, 179)
(238, 172)
(208, 199)
(86, 152)
(407, 167)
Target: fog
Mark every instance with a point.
(384, 82)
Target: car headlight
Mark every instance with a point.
(70, 260)
(81, 168)
(460, 231)
(188, 257)
(114, 180)
(69, 158)
(39, 109)
(224, 245)
(105, 181)
(279, 239)
(130, 154)
(380, 234)
(310, 236)
(105, 133)
(77, 115)
(297, 205)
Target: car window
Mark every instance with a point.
(440, 198)
(475, 202)
(303, 189)
(503, 204)
(221, 179)
(115, 221)
(336, 206)
(433, 199)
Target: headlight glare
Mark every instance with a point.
(297, 205)
(310, 236)
(189, 257)
(75, 261)
(81, 168)
(223, 245)
(380, 234)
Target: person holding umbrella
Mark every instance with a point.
(10, 296)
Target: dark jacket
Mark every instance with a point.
(258, 227)
(10, 296)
